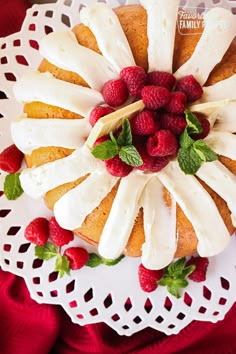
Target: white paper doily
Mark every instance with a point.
(103, 294)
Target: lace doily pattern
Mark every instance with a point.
(110, 295)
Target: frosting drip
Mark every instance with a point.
(223, 143)
(222, 89)
(225, 118)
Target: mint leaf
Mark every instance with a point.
(12, 186)
(189, 161)
(188, 270)
(193, 124)
(129, 154)
(46, 252)
(62, 265)
(177, 267)
(204, 152)
(113, 139)
(185, 140)
(94, 260)
(105, 151)
(112, 262)
(125, 137)
(173, 291)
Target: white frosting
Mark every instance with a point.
(73, 207)
(112, 42)
(37, 181)
(221, 90)
(29, 134)
(159, 227)
(161, 26)
(63, 50)
(222, 181)
(223, 143)
(122, 215)
(199, 208)
(225, 118)
(43, 87)
(219, 31)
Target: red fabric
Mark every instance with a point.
(29, 328)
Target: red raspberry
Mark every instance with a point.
(58, 235)
(98, 112)
(205, 127)
(201, 263)
(162, 143)
(115, 92)
(159, 163)
(161, 78)
(143, 123)
(174, 122)
(116, 167)
(135, 79)
(101, 140)
(191, 87)
(77, 257)
(37, 231)
(11, 159)
(148, 279)
(155, 97)
(176, 103)
(147, 159)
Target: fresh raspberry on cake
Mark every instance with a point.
(205, 127)
(147, 159)
(174, 122)
(199, 274)
(159, 163)
(58, 235)
(143, 123)
(135, 79)
(11, 159)
(115, 92)
(101, 140)
(155, 97)
(37, 231)
(176, 103)
(161, 78)
(77, 257)
(191, 87)
(162, 143)
(116, 167)
(148, 279)
(98, 112)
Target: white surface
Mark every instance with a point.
(120, 281)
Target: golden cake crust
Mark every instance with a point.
(133, 19)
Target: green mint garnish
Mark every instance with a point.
(12, 186)
(175, 275)
(122, 146)
(46, 252)
(95, 260)
(62, 265)
(193, 153)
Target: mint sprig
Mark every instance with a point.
(122, 146)
(12, 186)
(95, 260)
(175, 275)
(193, 153)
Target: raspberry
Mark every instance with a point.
(205, 127)
(115, 92)
(199, 274)
(143, 123)
(177, 102)
(135, 79)
(162, 143)
(101, 140)
(155, 97)
(98, 112)
(159, 163)
(147, 159)
(11, 159)
(191, 87)
(58, 235)
(77, 257)
(37, 231)
(148, 279)
(116, 167)
(173, 122)
(161, 78)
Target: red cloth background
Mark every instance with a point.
(29, 328)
